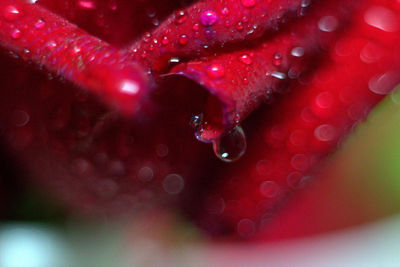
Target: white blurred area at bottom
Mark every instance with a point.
(24, 245)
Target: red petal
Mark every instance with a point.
(241, 78)
(301, 129)
(34, 33)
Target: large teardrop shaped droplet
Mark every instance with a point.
(232, 146)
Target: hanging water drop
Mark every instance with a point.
(232, 146)
(196, 121)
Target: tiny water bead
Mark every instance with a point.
(328, 24)
(183, 39)
(277, 61)
(215, 71)
(278, 75)
(39, 24)
(87, 4)
(180, 17)
(231, 147)
(245, 59)
(248, 3)
(16, 34)
(297, 51)
(208, 18)
(11, 13)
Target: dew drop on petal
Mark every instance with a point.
(297, 51)
(277, 60)
(231, 147)
(183, 39)
(39, 24)
(180, 17)
(215, 71)
(11, 13)
(225, 11)
(87, 4)
(382, 18)
(248, 3)
(305, 3)
(165, 40)
(208, 18)
(246, 59)
(328, 23)
(16, 34)
(278, 75)
(383, 84)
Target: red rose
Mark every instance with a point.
(104, 121)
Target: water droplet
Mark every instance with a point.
(11, 13)
(39, 24)
(173, 184)
(382, 18)
(278, 75)
(297, 51)
(180, 16)
(328, 23)
(246, 59)
(277, 61)
(183, 39)
(216, 71)
(174, 60)
(248, 3)
(231, 147)
(239, 26)
(305, 3)
(225, 11)
(165, 40)
(383, 84)
(87, 4)
(16, 34)
(208, 18)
